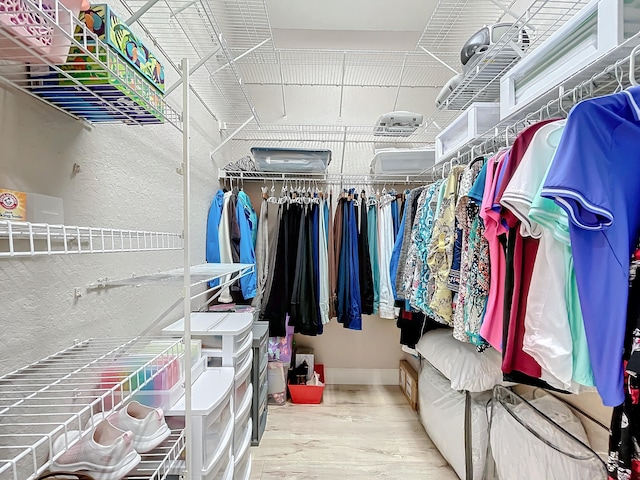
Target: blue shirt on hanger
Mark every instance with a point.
(213, 222)
(594, 178)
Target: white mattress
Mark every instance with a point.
(460, 362)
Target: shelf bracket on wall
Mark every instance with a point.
(439, 60)
(193, 70)
(233, 134)
(140, 12)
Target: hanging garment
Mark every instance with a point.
(247, 222)
(464, 222)
(395, 216)
(555, 221)
(324, 265)
(364, 261)
(373, 252)
(624, 441)
(262, 254)
(355, 304)
(520, 258)
(418, 297)
(491, 329)
(274, 235)
(344, 273)
(226, 255)
(213, 224)
(411, 268)
(315, 243)
(410, 204)
(337, 245)
(594, 178)
(385, 247)
(395, 257)
(440, 257)
(547, 341)
(304, 303)
(431, 280)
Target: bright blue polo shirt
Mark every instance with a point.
(594, 178)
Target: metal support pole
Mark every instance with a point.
(233, 134)
(404, 64)
(439, 60)
(284, 104)
(234, 60)
(186, 193)
(140, 12)
(193, 70)
(344, 145)
(344, 62)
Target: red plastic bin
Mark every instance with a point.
(308, 394)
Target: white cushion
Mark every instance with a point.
(460, 362)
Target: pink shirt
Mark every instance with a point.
(491, 329)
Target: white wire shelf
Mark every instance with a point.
(350, 68)
(71, 389)
(193, 29)
(92, 83)
(200, 274)
(24, 239)
(608, 74)
(482, 84)
(162, 461)
(338, 134)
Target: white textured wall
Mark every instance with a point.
(127, 180)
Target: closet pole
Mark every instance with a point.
(186, 193)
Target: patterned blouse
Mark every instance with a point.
(440, 256)
(421, 274)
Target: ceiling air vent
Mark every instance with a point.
(398, 124)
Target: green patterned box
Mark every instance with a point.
(102, 21)
(88, 72)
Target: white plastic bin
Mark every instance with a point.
(474, 121)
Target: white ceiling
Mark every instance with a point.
(366, 15)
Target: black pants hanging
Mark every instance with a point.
(366, 276)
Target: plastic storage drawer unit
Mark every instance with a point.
(213, 420)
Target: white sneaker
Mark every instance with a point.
(147, 424)
(106, 453)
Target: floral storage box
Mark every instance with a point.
(109, 28)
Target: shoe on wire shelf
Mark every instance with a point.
(147, 424)
(105, 453)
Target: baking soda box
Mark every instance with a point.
(13, 205)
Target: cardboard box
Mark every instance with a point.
(109, 28)
(13, 205)
(409, 383)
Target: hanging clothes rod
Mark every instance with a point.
(325, 178)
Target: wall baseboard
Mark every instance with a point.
(361, 376)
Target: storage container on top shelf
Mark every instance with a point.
(469, 126)
(28, 32)
(226, 337)
(101, 20)
(213, 422)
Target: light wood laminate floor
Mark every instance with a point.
(358, 432)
